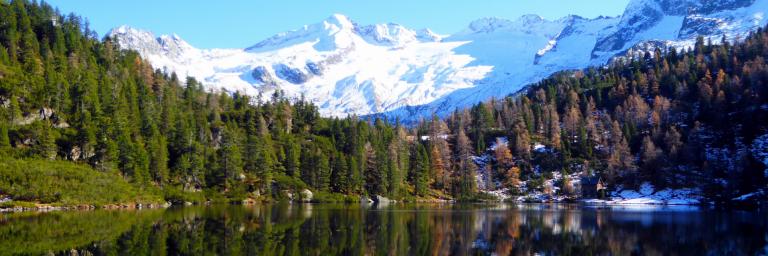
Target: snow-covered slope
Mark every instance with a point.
(347, 68)
(343, 67)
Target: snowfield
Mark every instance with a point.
(346, 68)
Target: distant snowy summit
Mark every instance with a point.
(346, 68)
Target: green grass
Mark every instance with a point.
(66, 183)
(14, 204)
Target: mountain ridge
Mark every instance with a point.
(389, 69)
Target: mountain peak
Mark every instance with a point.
(340, 21)
(128, 34)
(426, 34)
(392, 34)
(128, 30)
(530, 19)
(488, 24)
(146, 43)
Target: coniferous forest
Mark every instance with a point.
(79, 114)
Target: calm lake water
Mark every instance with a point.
(284, 229)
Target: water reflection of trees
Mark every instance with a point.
(413, 230)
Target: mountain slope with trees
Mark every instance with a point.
(690, 119)
(676, 119)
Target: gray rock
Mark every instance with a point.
(314, 69)
(381, 200)
(75, 153)
(288, 194)
(306, 196)
(365, 200)
(292, 75)
(46, 113)
(262, 75)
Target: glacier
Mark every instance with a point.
(391, 70)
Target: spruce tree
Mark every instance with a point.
(230, 160)
(420, 169)
(340, 174)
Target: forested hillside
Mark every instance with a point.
(69, 96)
(691, 119)
(677, 119)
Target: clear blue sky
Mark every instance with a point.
(241, 23)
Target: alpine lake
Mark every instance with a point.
(396, 229)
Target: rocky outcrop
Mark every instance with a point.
(42, 114)
(380, 200)
(314, 68)
(292, 75)
(262, 76)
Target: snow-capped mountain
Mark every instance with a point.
(347, 68)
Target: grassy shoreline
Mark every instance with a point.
(46, 183)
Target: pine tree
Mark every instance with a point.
(323, 171)
(650, 158)
(437, 167)
(373, 176)
(467, 168)
(340, 174)
(503, 158)
(420, 169)
(395, 166)
(264, 158)
(158, 150)
(621, 161)
(512, 179)
(292, 157)
(46, 141)
(554, 128)
(522, 140)
(354, 179)
(107, 153)
(230, 160)
(673, 142)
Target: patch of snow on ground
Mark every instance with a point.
(538, 147)
(647, 195)
(749, 196)
(501, 194)
(530, 195)
(483, 175)
(760, 150)
(504, 141)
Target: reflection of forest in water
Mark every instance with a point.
(396, 230)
